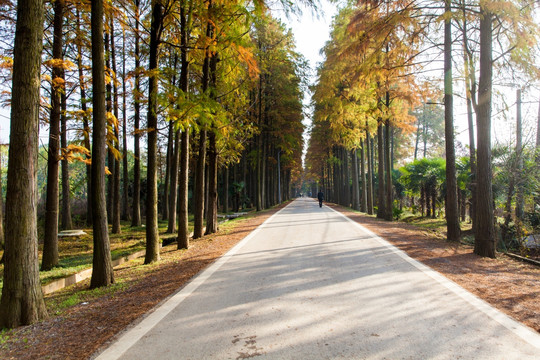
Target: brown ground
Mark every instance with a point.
(79, 331)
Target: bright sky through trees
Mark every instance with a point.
(311, 31)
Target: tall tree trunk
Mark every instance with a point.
(369, 148)
(110, 125)
(86, 132)
(452, 211)
(485, 233)
(363, 195)
(470, 83)
(152, 235)
(388, 173)
(102, 273)
(67, 224)
(201, 160)
(355, 180)
(173, 183)
(50, 242)
(211, 210)
(519, 153)
(168, 165)
(183, 231)
(381, 190)
(116, 229)
(211, 213)
(136, 208)
(125, 173)
(22, 298)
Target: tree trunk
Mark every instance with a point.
(136, 209)
(125, 173)
(86, 125)
(67, 224)
(109, 106)
(519, 153)
(102, 273)
(116, 229)
(201, 160)
(381, 192)
(363, 195)
(452, 211)
(168, 165)
(152, 235)
(389, 193)
(173, 183)
(355, 180)
(50, 242)
(369, 182)
(211, 210)
(183, 230)
(22, 298)
(470, 84)
(485, 233)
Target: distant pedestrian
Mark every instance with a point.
(320, 196)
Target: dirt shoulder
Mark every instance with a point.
(507, 284)
(80, 330)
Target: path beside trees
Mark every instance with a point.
(81, 329)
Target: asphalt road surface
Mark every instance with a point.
(311, 284)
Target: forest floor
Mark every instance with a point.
(82, 321)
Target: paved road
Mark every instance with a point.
(311, 284)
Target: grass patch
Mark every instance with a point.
(58, 303)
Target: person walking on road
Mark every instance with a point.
(320, 196)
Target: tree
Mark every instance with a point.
(484, 236)
(152, 235)
(102, 273)
(50, 243)
(136, 207)
(22, 298)
(452, 215)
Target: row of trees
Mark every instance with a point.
(222, 92)
(376, 85)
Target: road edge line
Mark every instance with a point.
(128, 338)
(522, 331)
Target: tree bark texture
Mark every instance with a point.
(520, 202)
(201, 159)
(102, 273)
(452, 211)
(125, 173)
(50, 241)
(389, 190)
(116, 229)
(22, 298)
(381, 190)
(136, 207)
(152, 235)
(183, 188)
(67, 224)
(363, 189)
(485, 233)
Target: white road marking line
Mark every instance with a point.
(130, 337)
(522, 331)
